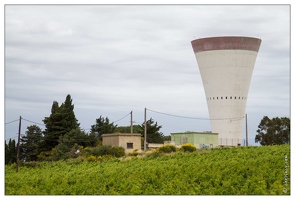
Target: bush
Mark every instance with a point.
(108, 150)
(91, 159)
(167, 149)
(134, 153)
(155, 154)
(31, 164)
(116, 151)
(188, 147)
(73, 161)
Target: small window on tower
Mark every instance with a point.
(217, 97)
(225, 97)
(221, 97)
(235, 97)
(210, 98)
(230, 97)
(213, 98)
(239, 97)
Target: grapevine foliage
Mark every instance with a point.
(228, 171)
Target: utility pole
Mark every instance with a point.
(246, 131)
(131, 124)
(144, 145)
(18, 143)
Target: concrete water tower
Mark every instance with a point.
(226, 65)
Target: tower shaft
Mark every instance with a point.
(226, 65)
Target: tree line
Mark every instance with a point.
(63, 133)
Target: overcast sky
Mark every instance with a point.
(113, 59)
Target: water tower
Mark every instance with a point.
(226, 65)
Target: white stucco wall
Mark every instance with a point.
(226, 75)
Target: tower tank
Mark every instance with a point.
(226, 65)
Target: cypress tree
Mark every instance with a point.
(61, 120)
(10, 152)
(69, 121)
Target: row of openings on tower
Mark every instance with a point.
(213, 98)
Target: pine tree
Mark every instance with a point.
(273, 131)
(102, 126)
(31, 143)
(153, 132)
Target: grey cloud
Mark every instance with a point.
(117, 58)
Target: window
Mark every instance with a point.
(213, 98)
(225, 97)
(210, 98)
(217, 97)
(221, 97)
(184, 140)
(129, 145)
(239, 97)
(235, 97)
(230, 97)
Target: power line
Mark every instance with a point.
(121, 118)
(12, 121)
(232, 119)
(33, 122)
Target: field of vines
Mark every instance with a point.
(225, 171)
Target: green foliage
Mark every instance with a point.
(155, 154)
(229, 171)
(167, 138)
(134, 153)
(10, 152)
(31, 143)
(273, 131)
(127, 129)
(102, 126)
(61, 120)
(77, 136)
(60, 152)
(69, 121)
(153, 132)
(108, 150)
(188, 147)
(167, 149)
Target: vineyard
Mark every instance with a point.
(225, 171)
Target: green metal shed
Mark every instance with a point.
(198, 139)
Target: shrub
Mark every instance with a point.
(108, 150)
(188, 147)
(116, 151)
(167, 149)
(134, 153)
(81, 158)
(31, 164)
(73, 161)
(155, 154)
(91, 159)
